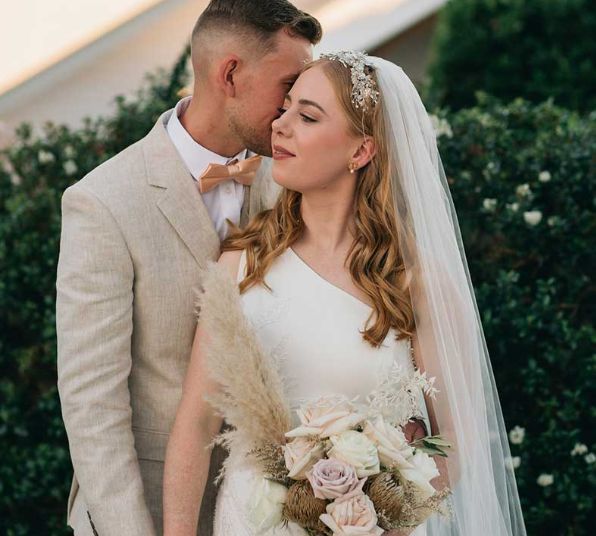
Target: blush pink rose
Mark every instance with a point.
(331, 479)
(300, 455)
(353, 515)
(326, 417)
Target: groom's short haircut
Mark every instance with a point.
(256, 21)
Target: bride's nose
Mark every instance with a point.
(281, 125)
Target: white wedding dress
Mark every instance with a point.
(315, 329)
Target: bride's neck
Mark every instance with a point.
(328, 225)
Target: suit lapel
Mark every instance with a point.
(181, 203)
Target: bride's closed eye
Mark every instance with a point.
(304, 117)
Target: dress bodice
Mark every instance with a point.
(315, 329)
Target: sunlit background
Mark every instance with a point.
(62, 60)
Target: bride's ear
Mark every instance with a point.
(364, 153)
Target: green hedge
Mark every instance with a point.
(532, 283)
(534, 49)
(522, 178)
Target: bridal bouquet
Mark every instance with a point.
(348, 469)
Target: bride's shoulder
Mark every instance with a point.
(230, 261)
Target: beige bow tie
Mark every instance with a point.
(242, 172)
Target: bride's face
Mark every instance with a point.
(312, 144)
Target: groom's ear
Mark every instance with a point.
(226, 75)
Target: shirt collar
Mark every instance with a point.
(196, 157)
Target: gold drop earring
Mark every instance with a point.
(352, 167)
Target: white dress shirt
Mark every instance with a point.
(226, 199)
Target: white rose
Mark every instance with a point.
(512, 462)
(326, 417)
(523, 190)
(70, 167)
(579, 449)
(544, 176)
(358, 450)
(545, 480)
(69, 151)
(441, 126)
(300, 455)
(590, 458)
(513, 207)
(45, 157)
(266, 504)
(516, 435)
(423, 471)
(532, 217)
(489, 204)
(391, 443)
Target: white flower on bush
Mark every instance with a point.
(545, 479)
(553, 220)
(300, 455)
(441, 126)
(512, 462)
(45, 157)
(70, 167)
(544, 176)
(590, 458)
(423, 470)
(513, 207)
(391, 443)
(579, 449)
(325, 417)
(532, 217)
(69, 151)
(356, 449)
(266, 504)
(489, 204)
(517, 435)
(523, 190)
(353, 515)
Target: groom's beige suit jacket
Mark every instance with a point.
(135, 239)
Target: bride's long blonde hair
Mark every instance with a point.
(374, 259)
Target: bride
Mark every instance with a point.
(357, 267)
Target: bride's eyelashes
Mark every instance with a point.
(304, 117)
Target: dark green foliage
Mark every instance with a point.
(534, 287)
(534, 49)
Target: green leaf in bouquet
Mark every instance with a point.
(432, 445)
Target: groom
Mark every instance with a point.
(136, 235)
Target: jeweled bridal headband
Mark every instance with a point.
(363, 84)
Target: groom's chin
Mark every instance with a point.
(262, 148)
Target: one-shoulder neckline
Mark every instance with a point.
(328, 283)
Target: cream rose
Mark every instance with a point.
(391, 443)
(300, 455)
(352, 516)
(423, 471)
(325, 418)
(332, 479)
(357, 450)
(266, 504)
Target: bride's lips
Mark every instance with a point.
(279, 153)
